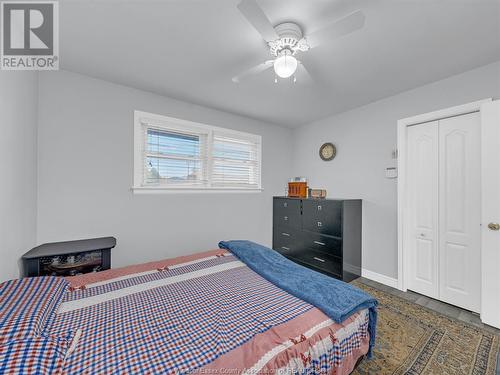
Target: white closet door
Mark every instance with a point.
(460, 211)
(490, 238)
(422, 208)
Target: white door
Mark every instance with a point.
(460, 211)
(490, 234)
(422, 208)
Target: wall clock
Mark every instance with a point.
(327, 151)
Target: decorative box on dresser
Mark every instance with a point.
(321, 234)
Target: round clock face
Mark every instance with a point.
(327, 151)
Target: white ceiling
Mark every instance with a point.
(190, 49)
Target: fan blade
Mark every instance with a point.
(256, 16)
(255, 70)
(346, 25)
(304, 76)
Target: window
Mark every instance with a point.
(173, 158)
(176, 154)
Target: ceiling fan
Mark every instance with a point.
(286, 40)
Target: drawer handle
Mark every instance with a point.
(320, 224)
(319, 207)
(285, 204)
(285, 218)
(319, 243)
(285, 248)
(319, 259)
(285, 234)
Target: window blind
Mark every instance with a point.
(235, 162)
(173, 158)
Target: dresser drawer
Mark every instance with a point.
(320, 260)
(325, 244)
(287, 212)
(286, 241)
(322, 217)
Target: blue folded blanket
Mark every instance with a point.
(337, 299)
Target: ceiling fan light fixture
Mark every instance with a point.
(285, 65)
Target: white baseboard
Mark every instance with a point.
(379, 278)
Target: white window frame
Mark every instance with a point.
(174, 124)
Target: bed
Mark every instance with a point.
(208, 313)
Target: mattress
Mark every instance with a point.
(207, 313)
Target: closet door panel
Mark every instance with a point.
(459, 207)
(422, 208)
(424, 257)
(490, 213)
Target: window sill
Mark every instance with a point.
(192, 190)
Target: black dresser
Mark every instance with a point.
(322, 234)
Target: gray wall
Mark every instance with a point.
(18, 118)
(365, 138)
(85, 153)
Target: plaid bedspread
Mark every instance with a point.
(198, 314)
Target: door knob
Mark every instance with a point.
(494, 226)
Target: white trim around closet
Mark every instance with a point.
(402, 127)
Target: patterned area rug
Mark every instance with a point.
(412, 339)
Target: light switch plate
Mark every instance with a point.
(391, 172)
